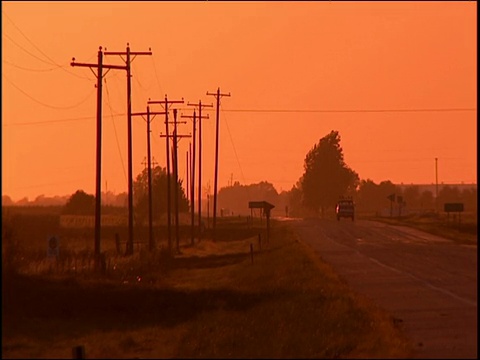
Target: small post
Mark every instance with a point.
(251, 251)
(117, 243)
(260, 241)
(78, 352)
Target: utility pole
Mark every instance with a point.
(436, 186)
(99, 66)
(128, 61)
(165, 104)
(208, 205)
(200, 117)
(176, 138)
(192, 189)
(217, 95)
(188, 169)
(151, 244)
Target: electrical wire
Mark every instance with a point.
(36, 47)
(115, 131)
(156, 76)
(233, 145)
(27, 69)
(348, 111)
(44, 104)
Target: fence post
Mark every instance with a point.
(78, 352)
(117, 242)
(251, 251)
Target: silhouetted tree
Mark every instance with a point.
(235, 198)
(411, 195)
(368, 198)
(159, 194)
(469, 198)
(326, 175)
(7, 200)
(295, 203)
(80, 203)
(448, 194)
(427, 201)
(373, 197)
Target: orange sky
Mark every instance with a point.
(270, 56)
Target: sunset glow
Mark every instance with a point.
(397, 80)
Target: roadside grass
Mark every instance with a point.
(461, 230)
(213, 300)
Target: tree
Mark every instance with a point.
(469, 198)
(295, 196)
(427, 201)
(159, 194)
(367, 197)
(411, 195)
(80, 203)
(326, 175)
(235, 198)
(7, 200)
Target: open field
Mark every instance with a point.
(459, 228)
(213, 300)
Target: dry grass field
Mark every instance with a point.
(216, 299)
(461, 228)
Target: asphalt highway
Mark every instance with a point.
(427, 283)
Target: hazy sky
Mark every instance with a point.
(307, 58)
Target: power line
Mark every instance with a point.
(348, 111)
(156, 76)
(27, 69)
(44, 104)
(28, 52)
(36, 47)
(246, 110)
(233, 145)
(115, 130)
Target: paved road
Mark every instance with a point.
(427, 282)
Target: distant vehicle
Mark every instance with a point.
(345, 208)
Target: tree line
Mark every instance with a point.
(325, 179)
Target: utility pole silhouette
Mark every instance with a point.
(165, 104)
(188, 169)
(151, 243)
(200, 117)
(99, 66)
(217, 95)
(128, 61)
(176, 138)
(436, 185)
(192, 189)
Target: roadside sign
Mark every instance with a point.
(453, 207)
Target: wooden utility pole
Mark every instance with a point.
(200, 117)
(192, 189)
(98, 192)
(151, 243)
(217, 95)
(188, 169)
(128, 61)
(436, 185)
(176, 138)
(165, 104)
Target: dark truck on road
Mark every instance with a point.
(345, 208)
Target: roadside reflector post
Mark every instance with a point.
(78, 352)
(251, 251)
